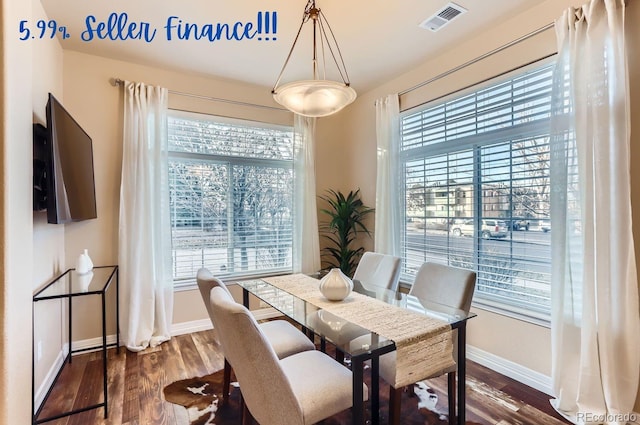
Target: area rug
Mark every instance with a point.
(202, 397)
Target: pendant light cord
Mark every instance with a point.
(319, 21)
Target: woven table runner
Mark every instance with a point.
(424, 345)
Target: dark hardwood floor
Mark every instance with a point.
(136, 381)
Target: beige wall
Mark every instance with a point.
(352, 135)
(48, 239)
(16, 224)
(97, 106)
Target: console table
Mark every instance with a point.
(70, 285)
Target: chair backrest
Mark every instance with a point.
(265, 388)
(206, 282)
(378, 270)
(446, 285)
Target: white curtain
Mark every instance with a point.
(595, 319)
(388, 214)
(306, 246)
(145, 229)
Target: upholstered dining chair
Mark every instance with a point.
(450, 286)
(300, 389)
(281, 335)
(377, 270)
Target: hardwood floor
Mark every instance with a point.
(136, 381)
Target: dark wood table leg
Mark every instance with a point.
(462, 371)
(226, 381)
(374, 391)
(245, 297)
(357, 408)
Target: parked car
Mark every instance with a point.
(545, 225)
(519, 224)
(490, 228)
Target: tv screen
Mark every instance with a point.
(70, 180)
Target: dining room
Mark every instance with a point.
(431, 204)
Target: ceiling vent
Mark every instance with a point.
(443, 17)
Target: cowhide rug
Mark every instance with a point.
(202, 397)
(203, 400)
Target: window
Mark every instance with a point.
(231, 196)
(476, 190)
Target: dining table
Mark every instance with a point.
(369, 323)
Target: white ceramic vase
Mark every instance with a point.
(336, 286)
(84, 264)
(84, 280)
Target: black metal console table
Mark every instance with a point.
(71, 285)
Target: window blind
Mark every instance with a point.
(231, 186)
(475, 184)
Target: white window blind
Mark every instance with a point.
(231, 188)
(476, 189)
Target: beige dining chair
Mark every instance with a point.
(377, 270)
(282, 335)
(450, 286)
(300, 389)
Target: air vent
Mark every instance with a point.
(443, 17)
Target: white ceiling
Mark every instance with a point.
(378, 38)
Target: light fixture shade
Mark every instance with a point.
(314, 98)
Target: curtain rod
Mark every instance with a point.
(118, 82)
(478, 59)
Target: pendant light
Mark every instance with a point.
(316, 97)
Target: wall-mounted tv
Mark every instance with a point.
(63, 168)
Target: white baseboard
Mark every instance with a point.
(47, 382)
(190, 327)
(176, 329)
(94, 343)
(205, 324)
(511, 369)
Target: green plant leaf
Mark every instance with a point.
(346, 218)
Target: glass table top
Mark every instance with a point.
(349, 337)
(72, 283)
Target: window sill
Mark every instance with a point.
(538, 319)
(191, 284)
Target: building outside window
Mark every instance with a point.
(231, 196)
(475, 180)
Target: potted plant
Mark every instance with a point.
(346, 214)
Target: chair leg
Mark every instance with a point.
(226, 381)
(411, 389)
(247, 419)
(395, 395)
(451, 396)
